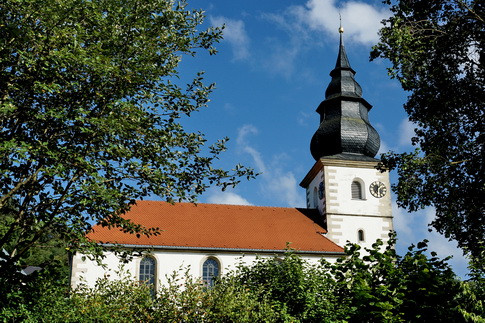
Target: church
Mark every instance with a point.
(347, 201)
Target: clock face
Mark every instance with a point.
(378, 189)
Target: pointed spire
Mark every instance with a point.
(343, 81)
(345, 131)
(342, 60)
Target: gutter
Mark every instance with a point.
(327, 253)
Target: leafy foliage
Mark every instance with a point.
(384, 286)
(300, 292)
(90, 120)
(436, 51)
(44, 291)
(374, 285)
(472, 299)
(182, 299)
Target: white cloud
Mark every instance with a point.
(244, 131)
(304, 117)
(282, 60)
(285, 187)
(219, 197)
(279, 184)
(229, 107)
(403, 223)
(309, 25)
(283, 55)
(406, 132)
(361, 21)
(444, 247)
(384, 148)
(235, 33)
(258, 160)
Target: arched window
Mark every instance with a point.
(357, 190)
(360, 235)
(210, 271)
(147, 271)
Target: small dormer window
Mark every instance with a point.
(357, 191)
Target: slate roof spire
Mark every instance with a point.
(342, 60)
(345, 131)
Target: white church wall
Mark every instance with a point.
(167, 262)
(339, 191)
(346, 228)
(346, 216)
(86, 271)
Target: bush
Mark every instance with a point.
(379, 286)
(383, 286)
(300, 291)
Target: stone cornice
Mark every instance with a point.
(319, 164)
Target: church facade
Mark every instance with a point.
(347, 201)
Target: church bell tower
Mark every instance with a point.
(351, 195)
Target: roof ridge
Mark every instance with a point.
(221, 204)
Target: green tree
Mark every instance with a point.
(90, 119)
(381, 286)
(378, 286)
(472, 299)
(437, 53)
(48, 249)
(299, 291)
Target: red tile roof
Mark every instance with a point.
(222, 227)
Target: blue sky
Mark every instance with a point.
(271, 73)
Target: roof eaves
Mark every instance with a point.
(311, 174)
(328, 253)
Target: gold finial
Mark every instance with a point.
(340, 29)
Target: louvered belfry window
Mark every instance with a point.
(356, 190)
